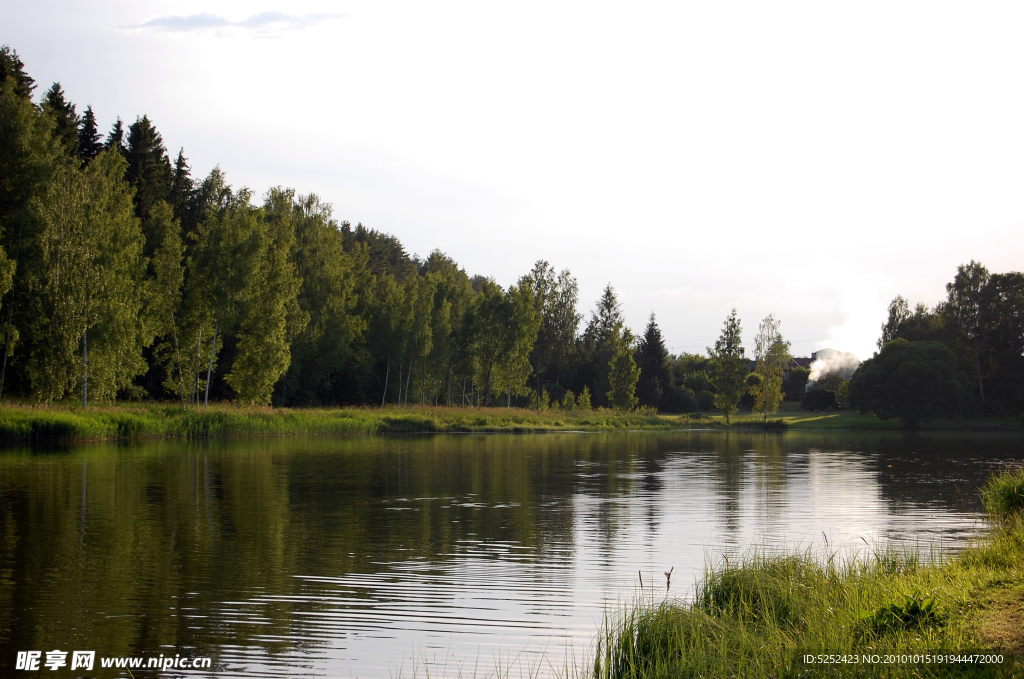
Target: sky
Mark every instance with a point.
(804, 159)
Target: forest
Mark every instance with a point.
(123, 277)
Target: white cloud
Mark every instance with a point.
(263, 22)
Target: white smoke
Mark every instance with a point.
(829, 361)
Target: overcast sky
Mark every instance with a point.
(810, 160)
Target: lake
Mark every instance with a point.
(398, 555)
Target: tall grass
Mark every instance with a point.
(761, 617)
(1003, 494)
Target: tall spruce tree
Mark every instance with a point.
(65, 120)
(90, 143)
(115, 138)
(654, 363)
(182, 186)
(149, 171)
(600, 343)
(12, 69)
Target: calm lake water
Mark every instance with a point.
(392, 556)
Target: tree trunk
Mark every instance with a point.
(401, 366)
(463, 391)
(408, 380)
(387, 374)
(193, 395)
(177, 358)
(85, 368)
(209, 370)
(977, 367)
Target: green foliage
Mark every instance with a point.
(89, 139)
(729, 367)
(13, 75)
(87, 277)
(623, 375)
(796, 383)
(910, 613)
(65, 120)
(149, 171)
(819, 399)
(599, 343)
(655, 366)
(915, 381)
(269, 314)
(583, 402)
(773, 359)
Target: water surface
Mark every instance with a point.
(387, 556)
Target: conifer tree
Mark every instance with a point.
(11, 68)
(182, 186)
(653, 361)
(729, 367)
(149, 171)
(115, 138)
(89, 139)
(65, 120)
(600, 342)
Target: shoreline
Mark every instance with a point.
(27, 423)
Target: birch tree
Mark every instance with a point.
(773, 358)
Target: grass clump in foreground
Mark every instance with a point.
(760, 618)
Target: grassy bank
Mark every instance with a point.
(793, 417)
(760, 618)
(27, 423)
(130, 420)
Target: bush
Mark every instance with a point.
(819, 399)
(678, 399)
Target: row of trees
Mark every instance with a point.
(121, 276)
(963, 357)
